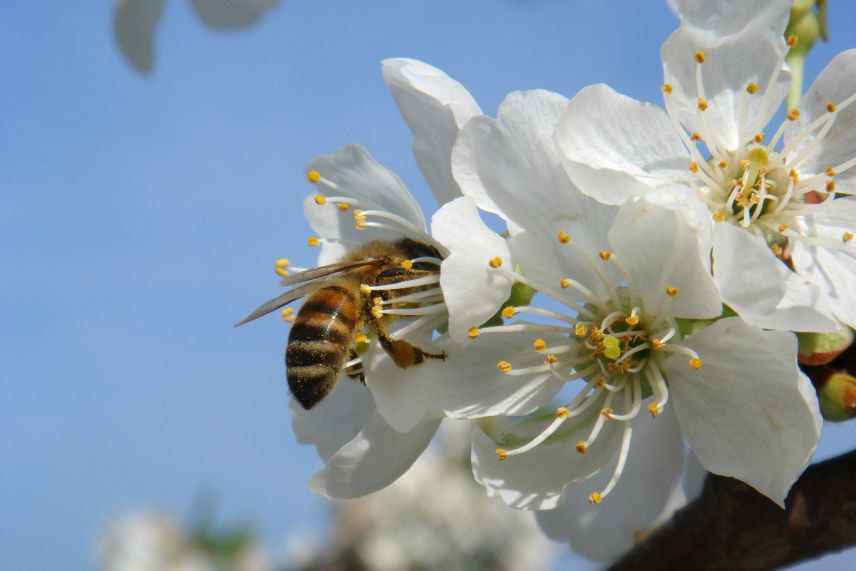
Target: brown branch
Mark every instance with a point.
(731, 526)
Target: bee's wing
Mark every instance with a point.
(279, 301)
(328, 270)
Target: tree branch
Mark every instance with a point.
(731, 526)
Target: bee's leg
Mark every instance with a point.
(356, 371)
(405, 354)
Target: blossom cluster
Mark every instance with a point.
(675, 252)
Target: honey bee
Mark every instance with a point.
(340, 303)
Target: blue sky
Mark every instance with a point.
(140, 217)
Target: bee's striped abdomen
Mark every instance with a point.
(320, 342)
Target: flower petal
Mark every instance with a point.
(540, 478)
(832, 268)
(134, 23)
(650, 478)
(358, 176)
(754, 283)
(335, 420)
(614, 147)
(658, 249)
(472, 289)
(509, 165)
(733, 116)
(749, 413)
(835, 83)
(229, 14)
(727, 17)
(435, 107)
(467, 384)
(373, 459)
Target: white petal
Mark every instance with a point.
(335, 420)
(749, 413)
(375, 458)
(615, 147)
(726, 17)
(836, 83)
(435, 107)
(658, 249)
(357, 175)
(540, 478)
(759, 287)
(729, 66)
(509, 165)
(473, 290)
(651, 476)
(832, 269)
(227, 14)
(467, 384)
(134, 23)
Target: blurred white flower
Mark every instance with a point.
(153, 541)
(783, 252)
(135, 21)
(625, 281)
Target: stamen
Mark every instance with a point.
(667, 88)
(508, 312)
(312, 241)
(699, 56)
(793, 114)
(846, 237)
(473, 332)
(672, 291)
(495, 262)
(313, 176)
(424, 310)
(619, 468)
(563, 237)
(361, 338)
(695, 363)
(540, 345)
(752, 88)
(605, 255)
(320, 199)
(504, 366)
(287, 314)
(281, 265)
(427, 280)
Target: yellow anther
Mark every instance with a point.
(407, 264)
(508, 312)
(718, 216)
(361, 338)
(495, 262)
(595, 498)
(776, 249)
(667, 88)
(562, 412)
(830, 106)
(320, 199)
(654, 409)
(551, 360)
(607, 412)
(695, 363)
(702, 104)
(793, 114)
(758, 137)
(287, 314)
(846, 237)
(377, 300)
(695, 136)
(632, 320)
(830, 186)
(672, 291)
(539, 345)
(782, 228)
(564, 283)
(605, 255)
(752, 87)
(581, 446)
(792, 40)
(693, 166)
(699, 56)
(656, 344)
(744, 164)
(313, 176)
(501, 453)
(343, 206)
(829, 171)
(365, 290)
(377, 312)
(312, 241)
(563, 237)
(600, 382)
(504, 366)
(281, 266)
(580, 331)
(473, 332)
(723, 165)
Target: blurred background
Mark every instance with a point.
(140, 216)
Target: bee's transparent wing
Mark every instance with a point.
(279, 301)
(328, 270)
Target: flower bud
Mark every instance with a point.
(837, 397)
(821, 348)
